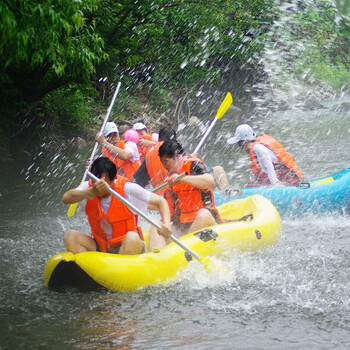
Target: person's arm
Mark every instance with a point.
(265, 158)
(123, 154)
(204, 182)
(143, 199)
(145, 143)
(198, 177)
(76, 195)
(161, 205)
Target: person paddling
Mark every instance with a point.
(190, 199)
(147, 140)
(271, 164)
(123, 153)
(111, 137)
(151, 170)
(114, 227)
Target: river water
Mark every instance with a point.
(294, 295)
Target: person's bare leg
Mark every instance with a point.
(131, 244)
(220, 178)
(204, 219)
(155, 239)
(78, 242)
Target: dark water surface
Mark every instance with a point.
(294, 295)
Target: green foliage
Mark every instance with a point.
(336, 75)
(322, 39)
(45, 45)
(343, 6)
(50, 46)
(130, 105)
(53, 50)
(179, 42)
(70, 106)
(53, 33)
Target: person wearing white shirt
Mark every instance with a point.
(131, 147)
(114, 227)
(271, 164)
(125, 154)
(129, 152)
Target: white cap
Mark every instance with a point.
(139, 126)
(109, 128)
(243, 132)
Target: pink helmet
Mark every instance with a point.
(131, 135)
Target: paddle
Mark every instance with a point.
(226, 103)
(73, 207)
(206, 262)
(165, 184)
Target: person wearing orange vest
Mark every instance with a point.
(123, 153)
(147, 140)
(151, 170)
(271, 164)
(190, 199)
(111, 136)
(114, 228)
(128, 167)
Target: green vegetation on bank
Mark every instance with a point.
(55, 55)
(328, 45)
(318, 38)
(343, 6)
(60, 58)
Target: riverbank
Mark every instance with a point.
(184, 107)
(255, 95)
(28, 139)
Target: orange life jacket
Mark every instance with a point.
(155, 168)
(129, 168)
(119, 216)
(289, 169)
(185, 200)
(144, 150)
(109, 155)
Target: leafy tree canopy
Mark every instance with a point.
(46, 44)
(57, 47)
(176, 39)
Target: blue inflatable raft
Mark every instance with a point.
(328, 194)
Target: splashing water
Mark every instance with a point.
(291, 296)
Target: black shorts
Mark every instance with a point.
(115, 250)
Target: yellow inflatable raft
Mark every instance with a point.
(252, 223)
